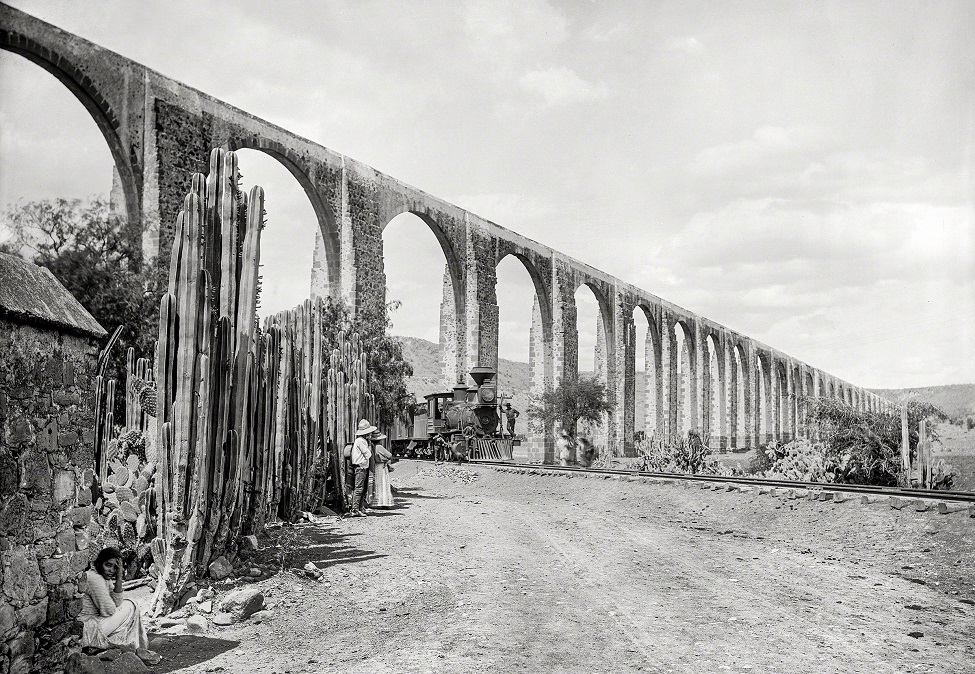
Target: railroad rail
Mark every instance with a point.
(831, 487)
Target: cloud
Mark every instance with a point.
(848, 287)
(560, 85)
(687, 44)
(511, 30)
(768, 144)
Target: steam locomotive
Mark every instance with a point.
(462, 424)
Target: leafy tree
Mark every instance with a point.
(571, 402)
(98, 258)
(387, 367)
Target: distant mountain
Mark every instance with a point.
(956, 400)
(514, 378)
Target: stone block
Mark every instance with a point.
(66, 399)
(81, 539)
(20, 664)
(21, 647)
(34, 615)
(66, 540)
(79, 517)
(67, 439)
(36, 473)
(7, 620)
(54, 370)
(19, 431)
(21, 576)
(13, 516)
(47, 436)
(9, 475)
(64, 487)
(40, 505)
(45, 547)
(63, 569)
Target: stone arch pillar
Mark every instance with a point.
(729, 385)
(626, 384)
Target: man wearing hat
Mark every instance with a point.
(361, 454)
(511, 413)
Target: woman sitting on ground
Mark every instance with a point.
(110, 620)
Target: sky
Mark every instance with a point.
(799, 172)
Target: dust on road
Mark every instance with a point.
(520, 573)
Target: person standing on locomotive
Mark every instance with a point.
(511, 413)
(361, 454)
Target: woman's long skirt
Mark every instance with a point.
(383, 493)
(124, 628)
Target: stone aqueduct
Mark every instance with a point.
(160, 131)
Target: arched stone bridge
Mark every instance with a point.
(735, 390)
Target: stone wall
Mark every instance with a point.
(46, 468)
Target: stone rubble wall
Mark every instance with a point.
(46, 466)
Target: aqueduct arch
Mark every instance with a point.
(161, 131)
(62, 66)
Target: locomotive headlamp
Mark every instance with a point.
(486, 379)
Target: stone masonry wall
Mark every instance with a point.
(46, 468)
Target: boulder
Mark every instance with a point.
(110, 654)
(148, 657)
(223, 619)
(196, 623)
(127, 663)
(248, 542)
(264, 615)
(220, 568)
(242, 603)
(84, 664)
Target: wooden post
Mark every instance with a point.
(905, 444)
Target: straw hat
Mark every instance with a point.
(378, 435)
(365, 428)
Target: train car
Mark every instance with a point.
(462, 424)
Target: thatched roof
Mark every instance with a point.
(31, 294)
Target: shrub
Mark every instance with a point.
(682, 455)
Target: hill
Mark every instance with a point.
(424, 356)
(955, 400)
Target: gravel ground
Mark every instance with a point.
(476, 570)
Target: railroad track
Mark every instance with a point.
(901, 492)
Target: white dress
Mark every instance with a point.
(382, 492)
(108, 618)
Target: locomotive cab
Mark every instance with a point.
(437, 404)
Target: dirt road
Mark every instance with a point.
(517, 573)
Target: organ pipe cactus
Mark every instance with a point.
(251, 422)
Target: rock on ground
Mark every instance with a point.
(241, 604)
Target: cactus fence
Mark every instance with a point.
(250, 423)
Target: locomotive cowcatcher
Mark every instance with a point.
(462, 424)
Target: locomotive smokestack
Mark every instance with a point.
(460, 393)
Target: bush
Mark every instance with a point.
(801, 460)
(683, 455)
